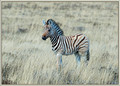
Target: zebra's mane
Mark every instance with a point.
(55, 26)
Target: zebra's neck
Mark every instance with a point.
(54, 39)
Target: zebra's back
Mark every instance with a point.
(71, 44)
(80, 42)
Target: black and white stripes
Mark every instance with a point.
(71, 44)
(66, 45)
(55, 26)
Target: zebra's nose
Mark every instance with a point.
(44, 38)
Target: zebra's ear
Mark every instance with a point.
(44, 23)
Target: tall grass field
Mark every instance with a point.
(27, 59)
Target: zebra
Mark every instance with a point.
(66, 45)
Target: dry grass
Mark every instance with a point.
(27, 59)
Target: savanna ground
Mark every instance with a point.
(27, 59)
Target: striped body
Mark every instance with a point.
(66, 45)
(71, 44)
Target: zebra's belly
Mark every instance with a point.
(69, 52)
(64, 51)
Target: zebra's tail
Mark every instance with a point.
(88, 55)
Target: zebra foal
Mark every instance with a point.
(66, 45)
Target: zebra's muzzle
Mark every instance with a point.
(44, 38)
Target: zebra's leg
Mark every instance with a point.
(59, 61)
(86, 57)
(78, 57)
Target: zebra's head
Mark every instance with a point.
(51, 28)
